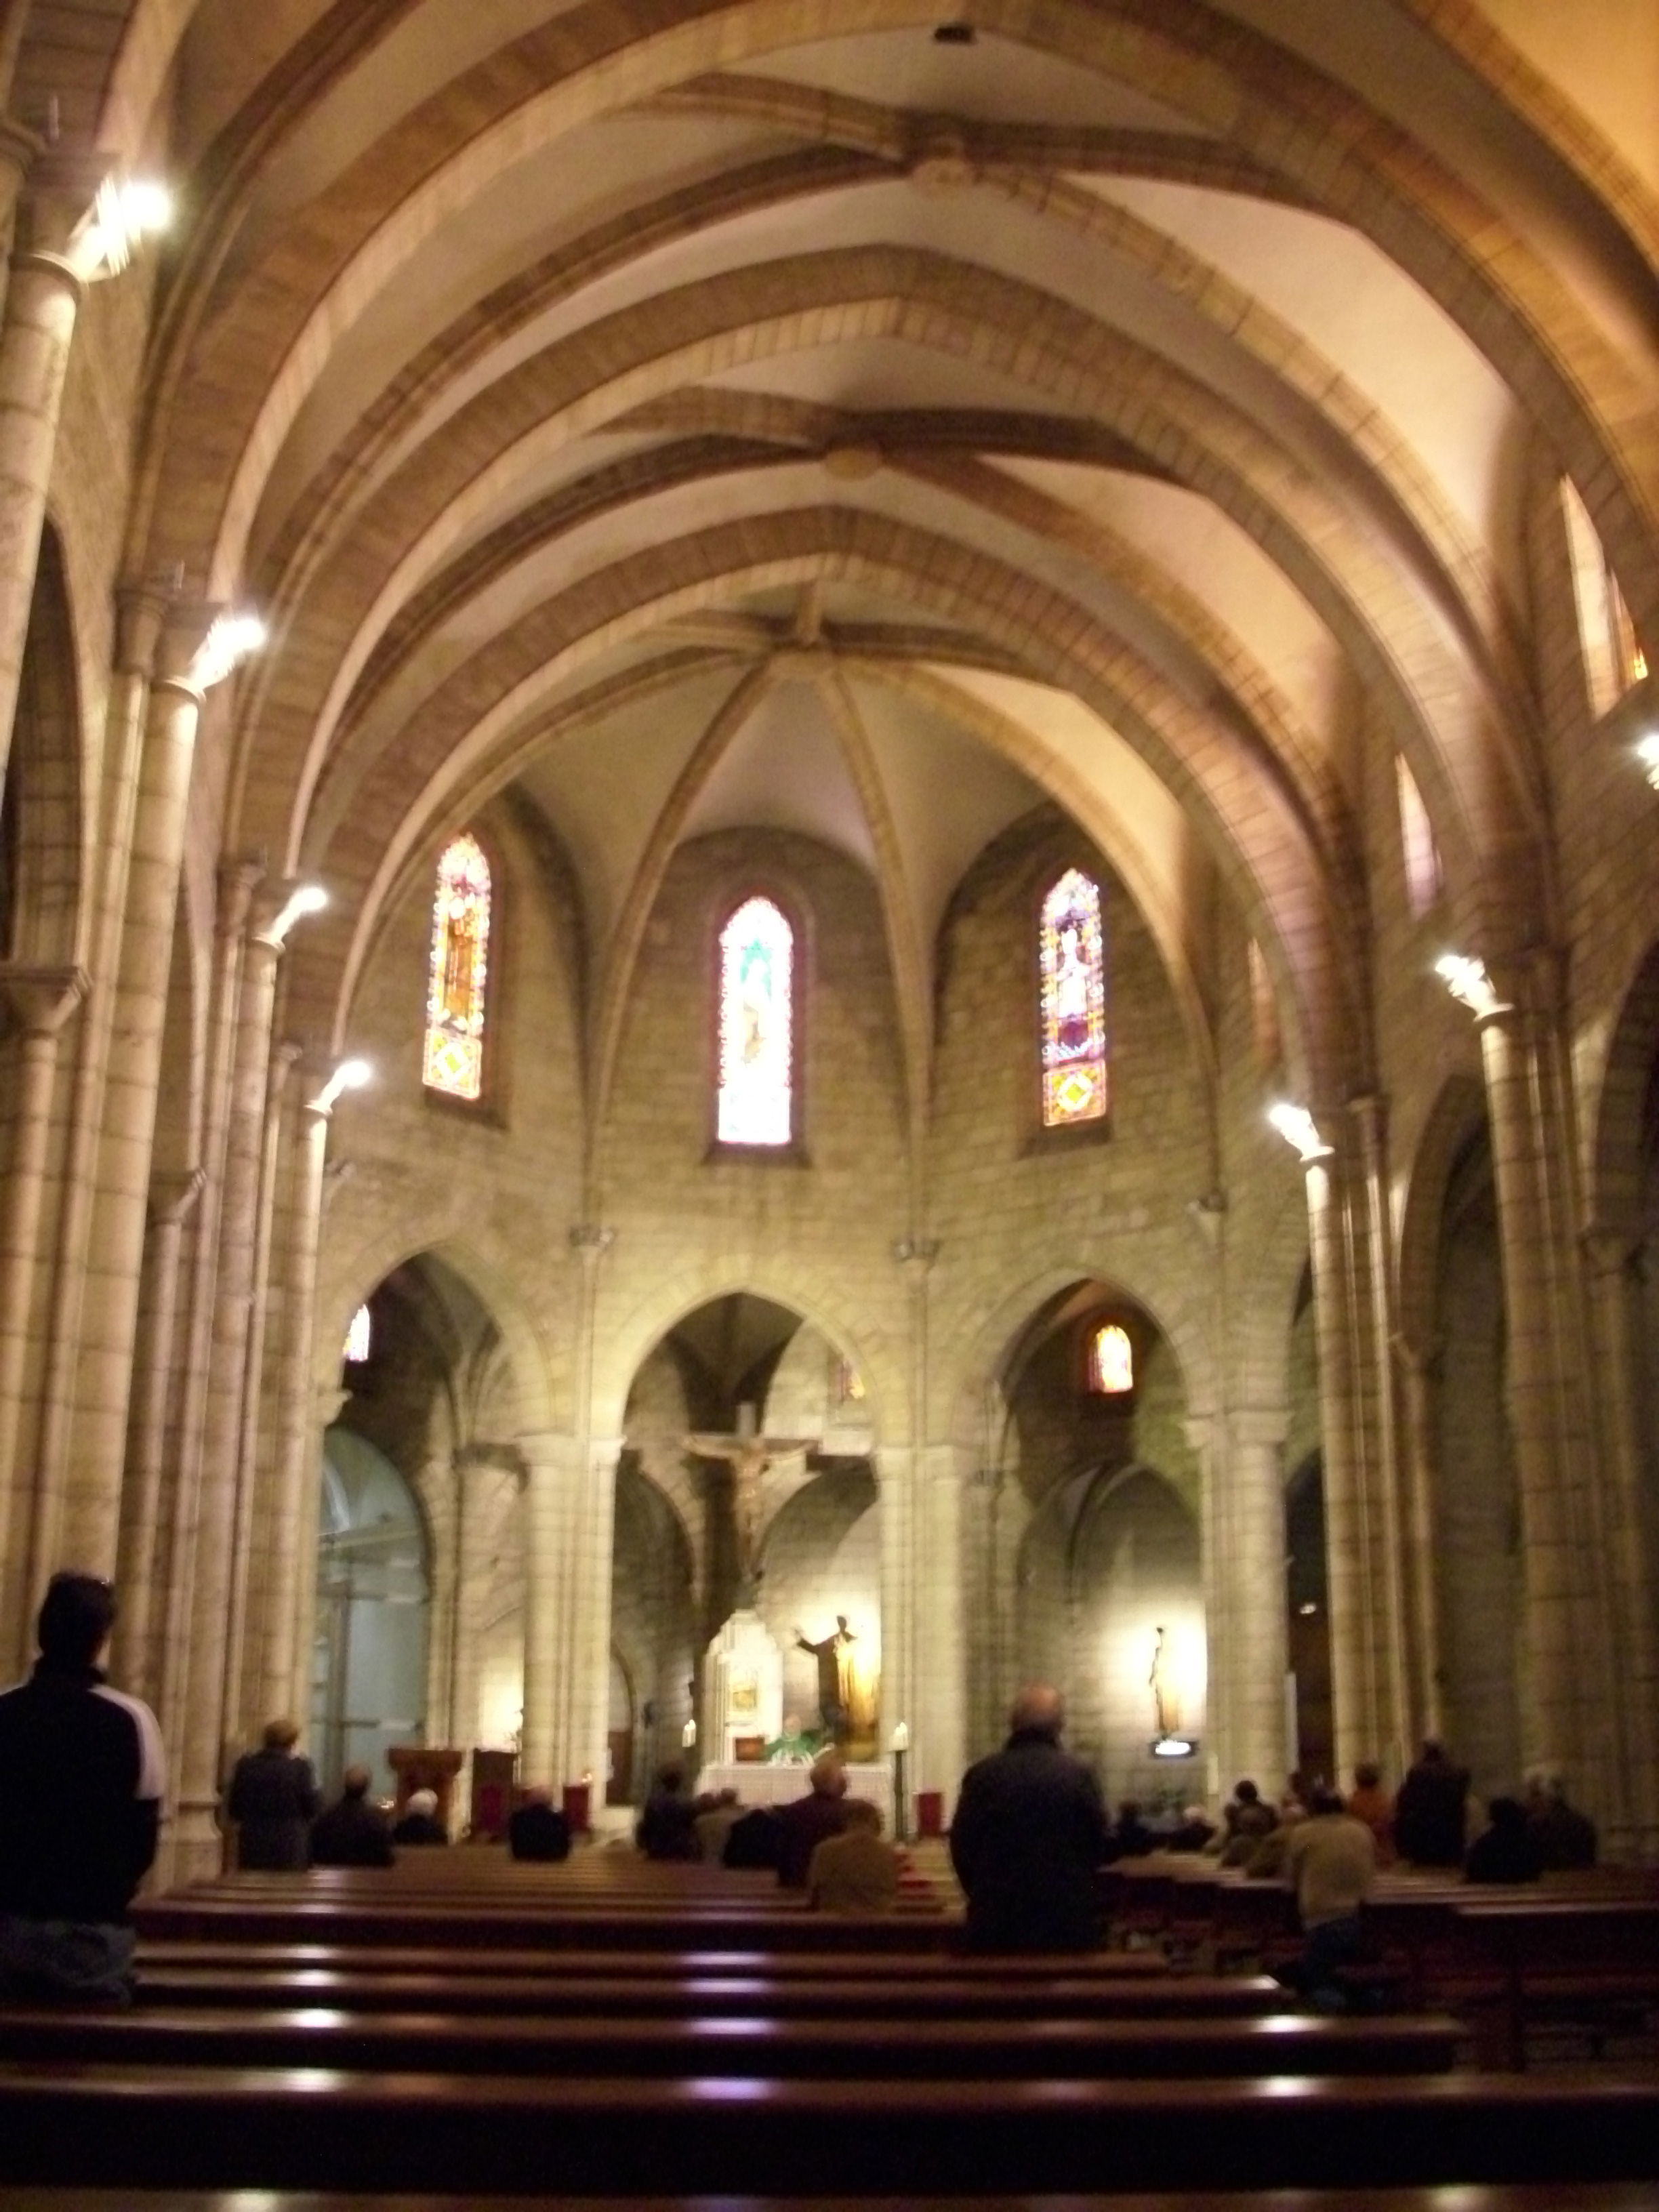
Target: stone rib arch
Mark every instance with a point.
(1197, 763)
(491, 1282)
(631, 1337)
(965, 1388)
(1464, 755)
(1294, 134)
(1458, 1113)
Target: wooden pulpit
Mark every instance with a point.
(493, 1773)
(426, 1766)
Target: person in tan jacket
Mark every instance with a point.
(856, 1871)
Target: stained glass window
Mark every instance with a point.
(359, 1339)
(458, 971)
(1073, 1004)
(1111, 1361)
(756, 1097)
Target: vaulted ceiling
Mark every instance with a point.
(870, 419)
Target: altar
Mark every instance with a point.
(777, 1785)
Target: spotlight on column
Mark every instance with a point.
(127, 210)
(226, 646)
(1647, 752)
(1297, 1126)
(349, 1075)
(309, 898)
(1469, 984)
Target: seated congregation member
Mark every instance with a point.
(1505, 1850)
(1431, 1811)
(1266, 1862)
(1330, 1860)
(83, 1775)
(536, 1829)
(713, 1821)
(1247, 1818)
(752, 1840)
(664, 1830)
(354, 1832)
(420, 1823)
(1130, 1837)
(272, 1800)
(805, 1821)
(857, 1871)
(1192, 1832)
(1565, 1838)
(1372, 1803)
(1029, 1835)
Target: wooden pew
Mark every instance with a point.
(1520, 2196)
(646, 2047)
(462, 1990)
(203, 2127)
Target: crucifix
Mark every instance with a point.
(749, 1454)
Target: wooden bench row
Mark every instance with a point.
(1514, 2196)
(216, 2127)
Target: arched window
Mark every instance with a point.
(1073, 1004)
(360, 1339)
(1111, 1361)
(458, 971)
(756, 1027)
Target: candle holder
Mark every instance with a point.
(899, 1744)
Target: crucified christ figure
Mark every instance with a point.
(749, 1455)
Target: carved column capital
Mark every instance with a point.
(40, 1000)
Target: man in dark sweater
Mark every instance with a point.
(80, 1811)
(354, 1832)
(1029, 1834)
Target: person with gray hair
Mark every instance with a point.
(420, 1823)
(1029, 1835)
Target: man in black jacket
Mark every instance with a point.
(354, 1832)
(80, 1811)
(1029, 1834)
(273, 1800)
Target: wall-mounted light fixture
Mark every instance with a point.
(126, 211)
(1297, 1127)
(1469, 984)
(309, 898)
(349, 1075)
(226, 645)
(1647, 752)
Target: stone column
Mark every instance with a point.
(290, 1568)
(1567, 1662)
(40, 1000)
(140, 1574)
(1633, 1810)
(474, 1479)
(224, 1500)
(939, 1727)
(1358, 1487)
(43, 299)
(1250, 1570)
(95, 1362)
(552, 1481)
(1419, 1371)
(901, 1477)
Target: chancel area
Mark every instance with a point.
(829, 876)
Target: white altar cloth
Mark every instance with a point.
(777, 1785)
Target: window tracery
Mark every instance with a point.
(1073, 1004)
(756, 1027)
(457, 972)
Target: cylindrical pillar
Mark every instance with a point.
(290, 1569)
(220, 1591)
(97, 1383)
(43, 299)
(40, 1000)
(1564, 1645)
(551, 1481)
(1632, 1816)
(939, 1729)
(141, 1574)
(1254, 1654)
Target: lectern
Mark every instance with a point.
(426, 1766)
